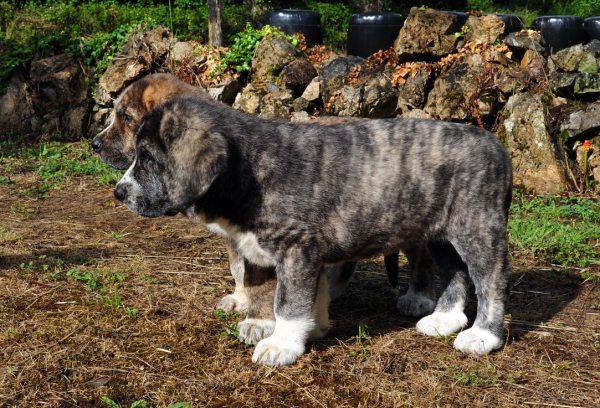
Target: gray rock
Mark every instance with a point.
(578, 58)
(581, 122)
(276, 105)
(139, 54)
(14, 107)
(485, 29)
(333, 72)
(312, 91)
(57, 86)
(300, 117)
(275, 112)
(270, 57)
(348, 102)
(271, 87)
(416, 113)
(379, 98)
(298, 74)
(567, 60)
(42, 70)
(248, 100)
(183, 53)
(537, 163)
(413, 93)
(575, 85)
(522, 41)
(301, 104)
(373, 96)
(74, 122)
(450, 97)
(226, 91)
(426, 35)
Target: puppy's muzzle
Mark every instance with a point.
(120, 193)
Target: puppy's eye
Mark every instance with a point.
(127, 119)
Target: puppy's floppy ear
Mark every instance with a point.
(197, 158)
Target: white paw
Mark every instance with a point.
(415, 305)
(251, 331)
(477, 341)
(285, 344)
(273, 352)
(442, 324)
(234, 303)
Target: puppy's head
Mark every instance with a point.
(116, 143)
(179, 153)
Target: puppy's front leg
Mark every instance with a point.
(239, 300)
(297, 284)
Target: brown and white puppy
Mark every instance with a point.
(116, 147)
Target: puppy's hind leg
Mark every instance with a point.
(448, 316)
(239, 300)
(321, 309)
(419, 300)
(338, 278)
(490, 271)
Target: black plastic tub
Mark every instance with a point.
(591, 26)
(512, 23)
(461, 19)
(559, 32)
(371, 32)
(291, 21)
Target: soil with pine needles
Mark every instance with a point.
(97, 302)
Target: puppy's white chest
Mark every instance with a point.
(245, 242)
(248, 245)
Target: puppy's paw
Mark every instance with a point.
(442, 323)
(318, 332)
(234, 303)
(274, 351)
(251, 331)
(415, 305)
(477, 341)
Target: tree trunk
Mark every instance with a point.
(215, 33)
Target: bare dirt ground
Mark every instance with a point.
(97, 302)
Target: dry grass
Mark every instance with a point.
(147, 329)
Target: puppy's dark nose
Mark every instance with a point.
(96, 145)
(120, 193)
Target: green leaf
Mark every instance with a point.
(109, 402)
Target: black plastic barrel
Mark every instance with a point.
(591, 26)
(512, 23)
(559, 32)
(371, 32)
(461, 19)
(292, 21)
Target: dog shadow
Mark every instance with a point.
(537, 296)
(34, 261)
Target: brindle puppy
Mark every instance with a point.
(301, 197)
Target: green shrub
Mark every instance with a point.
(334, 20)
(239, 57)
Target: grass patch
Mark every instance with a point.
(54, 165)
(563, 230)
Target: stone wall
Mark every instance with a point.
(543, 108)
